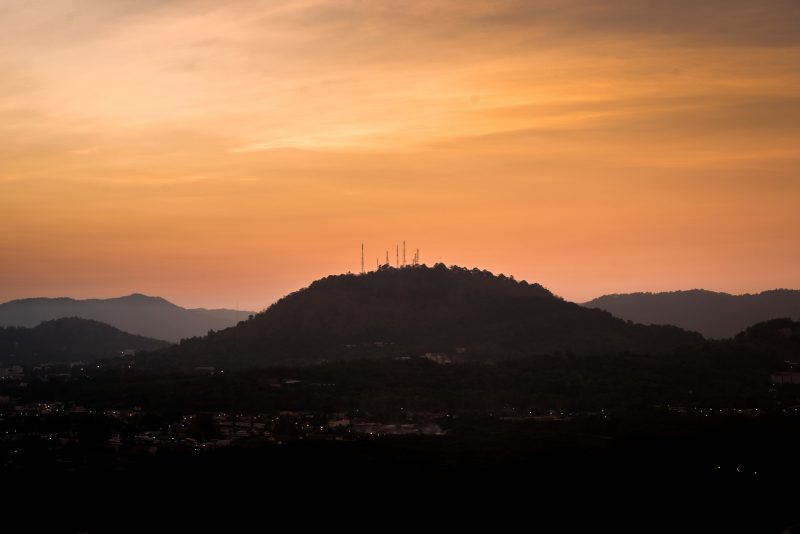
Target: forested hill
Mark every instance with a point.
(469, 314)
(69, 339)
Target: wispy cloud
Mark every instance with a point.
(479, 125)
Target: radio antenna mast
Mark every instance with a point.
(362, 258)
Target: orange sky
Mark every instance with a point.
(217, 153)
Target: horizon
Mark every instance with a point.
(260, 307)
(230, 153)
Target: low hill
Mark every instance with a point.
(715, 315)
(69, 339)
(139, 314)
(466, 314)
(778, 337)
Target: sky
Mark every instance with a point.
(223, 154)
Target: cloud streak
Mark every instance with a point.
(532, 137)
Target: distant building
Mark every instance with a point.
(438, 357)
(336, 423)
(431, 429)
(14, 372)
(785, 377)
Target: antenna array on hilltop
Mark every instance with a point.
(397, 258)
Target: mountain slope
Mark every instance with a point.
(715, 315)
(409, 311)
(69, 339)
(139, 314)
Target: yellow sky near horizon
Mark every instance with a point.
(227, 153)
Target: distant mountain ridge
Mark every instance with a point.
(144, 315)
(69, 339)
(415, 310)
(713, 314)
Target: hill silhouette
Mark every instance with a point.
(69, 339)
(466, 314)
(715, 315)
(138, 314)
(777, 337)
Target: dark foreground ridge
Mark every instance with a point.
(433, 392)
(700, 439)
(453, 313)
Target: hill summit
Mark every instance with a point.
(466, 313)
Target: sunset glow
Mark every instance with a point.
(227, 153)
